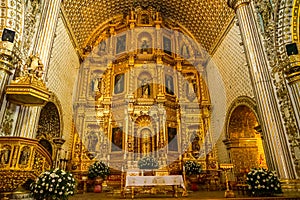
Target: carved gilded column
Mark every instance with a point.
(5, 65)
(279, 158)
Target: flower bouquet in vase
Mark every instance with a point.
(262, 182)
(53, 184)
(192, 169)
(98, 171)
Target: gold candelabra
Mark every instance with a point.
(226, 167)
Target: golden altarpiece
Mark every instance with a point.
(142, 92)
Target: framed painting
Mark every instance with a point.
(169, 84)
(121, 44)
(117, 139)
(119, 83)
(167, 45)
(172, 139)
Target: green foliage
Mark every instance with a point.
(148, 163)
(53, 184)
(192, 167)
(262, 182)
(99, 168)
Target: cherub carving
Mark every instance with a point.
(35, 66)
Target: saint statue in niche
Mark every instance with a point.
(184, 51)
(94, 85)
(169, 84)
(145, 46)
(102, 47)
(4, 155)
(145, 88)
(117, 139)
(24, 157)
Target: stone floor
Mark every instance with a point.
(191, 195)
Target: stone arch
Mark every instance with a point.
(240, 101)
(243, 142)
(50, 125)
(51, 114)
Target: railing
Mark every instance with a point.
(21, 159)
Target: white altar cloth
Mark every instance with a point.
(173, 180)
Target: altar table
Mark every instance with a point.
(141, 181)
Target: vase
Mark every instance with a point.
(194, 182)
(98, 184)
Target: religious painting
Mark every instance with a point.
(5, 154)
(117, 139)
(92, 140)
(119, 83)
(24, 157)
(121, 44)
(167, 45)
(169, 84)
(172, 139)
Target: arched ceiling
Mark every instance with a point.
(205, 19)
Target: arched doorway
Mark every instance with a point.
(243, 142)
(49, 129)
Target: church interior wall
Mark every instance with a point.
(62, 74)
(234, 81)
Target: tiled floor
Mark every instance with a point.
(191, 195)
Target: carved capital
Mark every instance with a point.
(235, 4)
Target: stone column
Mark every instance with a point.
(279, 157)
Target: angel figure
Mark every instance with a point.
(35, 66)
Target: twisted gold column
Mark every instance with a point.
(279, 157)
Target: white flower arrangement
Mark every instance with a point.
(53, 184)
(262, 182)
(192, 167)
(148, 163)
(98, 169)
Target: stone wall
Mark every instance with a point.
(62, 74)
(228, 78)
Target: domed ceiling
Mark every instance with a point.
(205, 19)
